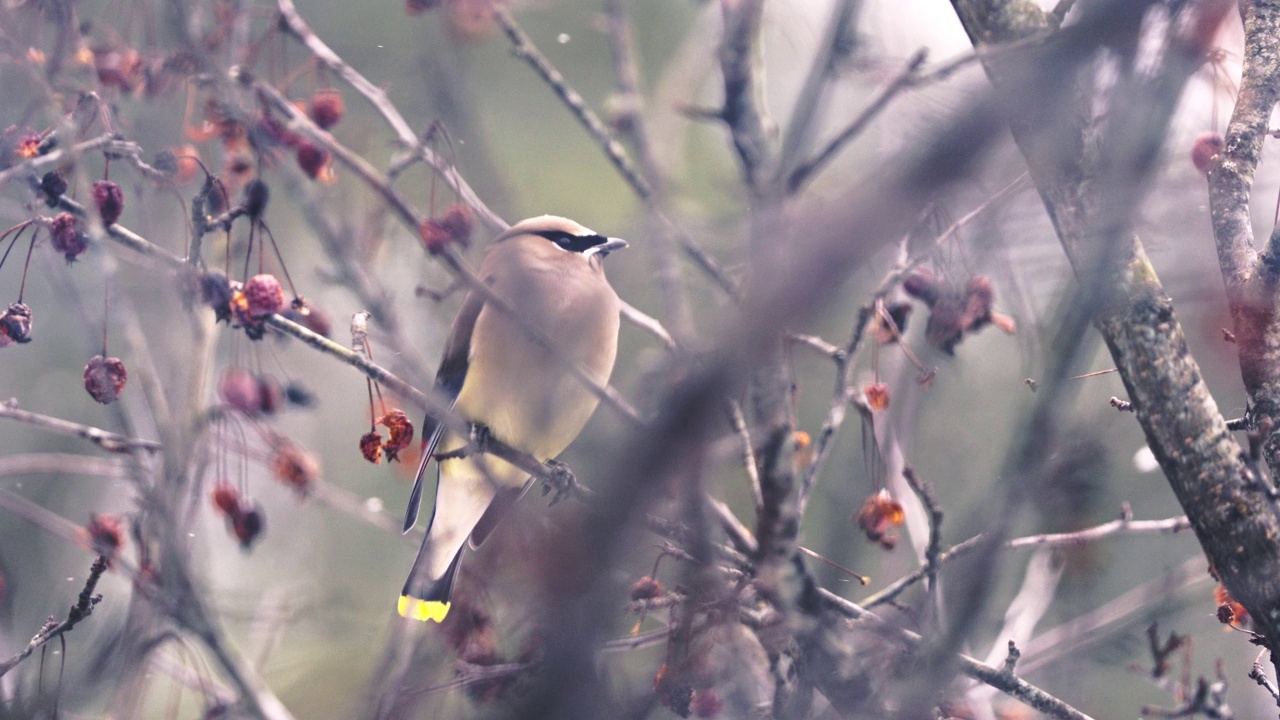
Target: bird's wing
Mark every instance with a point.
(449, 379)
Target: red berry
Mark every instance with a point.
(239, 389)
(327, 108)
(226, 498)
(104, 378)
(264, 295)
(109, 199)
(435, 238)
(1206, 147)
(68, 235)
(294, 467)
(457, 223)
(312, 159)
(270, 395)
(309, 316)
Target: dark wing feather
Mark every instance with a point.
(449, 380)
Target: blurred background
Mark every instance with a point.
(310, 605)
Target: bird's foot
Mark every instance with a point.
(561, 481)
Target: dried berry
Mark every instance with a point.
(239, 389)
(1228, 608)
(226, 498)
(294, 467)
(312, 159)
(68, 235)
(877, 395)
(435, 238)
(1204, 149)
(105, 534)
(15, 323)
(263, 295)
(109, 199)
(327, 108)
(647, 588)
(456, 221)
(878, 516)
(886, 333)
(276, 133)
(371, 446)
(401, 433)
(216, 292)
(53, 185)
(104, 378)
(256, 194)
(248, 522)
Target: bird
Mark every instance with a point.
(550, 269)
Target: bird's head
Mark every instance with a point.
(567, 235)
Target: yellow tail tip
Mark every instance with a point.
(423, 610)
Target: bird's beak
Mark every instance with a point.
(609, 246)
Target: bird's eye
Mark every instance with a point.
(570, 242)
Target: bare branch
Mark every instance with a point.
(109, 441)
(78, 612)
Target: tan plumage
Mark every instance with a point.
(549, 269)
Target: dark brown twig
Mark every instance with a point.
(82, 609)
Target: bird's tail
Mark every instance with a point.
(426, 598)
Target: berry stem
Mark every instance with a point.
(27, 265)
(279, 257)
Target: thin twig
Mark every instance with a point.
(1121, 526)
(805, 172)
(109, 441)
(82, 609)
(293, 22)
(933, 551)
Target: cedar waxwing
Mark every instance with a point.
(550, 270)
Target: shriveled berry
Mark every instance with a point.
(15, 323)
(264, 296)
(312, 159)
(371, 446)
(68, 235)
(401, 433)
(109, 199)
(53, 185)
(225, 497)
(327, 108)
(104, 378)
